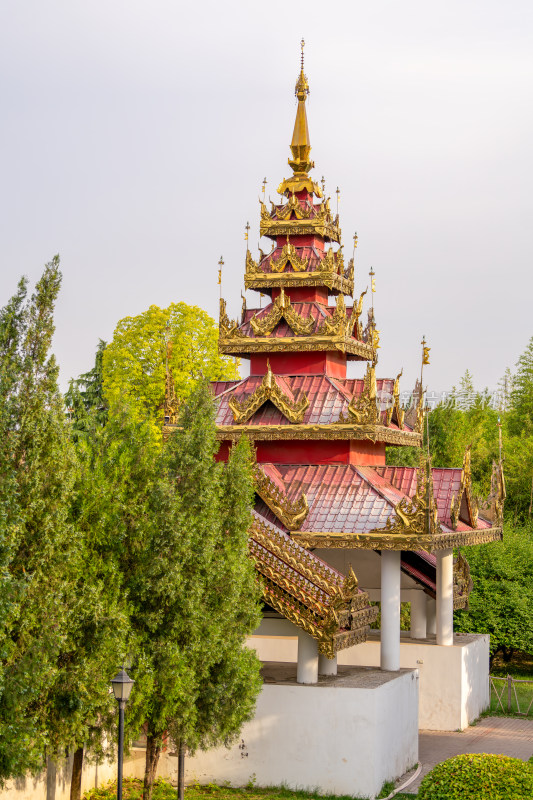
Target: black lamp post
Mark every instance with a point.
(121, 684)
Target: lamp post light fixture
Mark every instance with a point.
(121, 684)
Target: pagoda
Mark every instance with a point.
(335, 528)
(324, 492)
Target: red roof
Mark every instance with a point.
(328, 398)
(344, 498)
(313, 255)
(317, 311)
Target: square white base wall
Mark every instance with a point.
(346, 735)
(454, 680)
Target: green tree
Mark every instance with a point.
(190, 583)
(86, 395)
(521, 412)
(134, 362)
(38, 471)
(501, 602)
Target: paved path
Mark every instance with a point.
(510, 736)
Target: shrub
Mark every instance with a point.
(132, 789)
(478, 776)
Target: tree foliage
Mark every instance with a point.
(134, 362)
(191, 586)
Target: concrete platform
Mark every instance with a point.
(347, 734)
(454, 680)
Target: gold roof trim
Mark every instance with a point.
(492, 508)
(395, 412)
(395, 541)
(363, 409)
(315, 226)
(293, 206)
(235, 342)
(374, 433)
(282, 309)
(329, 607)
(291, 514)
(268, 389)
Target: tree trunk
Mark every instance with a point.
(181, 771)
(153, 751)
(75, 782)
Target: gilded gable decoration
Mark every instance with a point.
(464, 505)
(289, 255)
(282, 309)
(339, 323)
(363, 410)
(227, 328)
(291, 514)
(268, 389)
(418, 516)
(492, 508)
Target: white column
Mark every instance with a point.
(390, 609)
(418, 615)
(445, 596)
(431, 612)
(307, 670)
(327, 666)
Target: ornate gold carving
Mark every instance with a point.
(315, 226)
(282, 308)
(492, 508)
(307, 592)
(269, 280)
(395, 541)
(289, 255)
(417, 515)
(268, 389)
(292, 515)
(252, 267)
(462, 582)
(363, 409)
(293, 206)
(228, 328)
(395, 412)
(347, 431)
(238, 343)
(465, 501)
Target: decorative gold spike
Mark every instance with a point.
(417, 516)
(464, 500)
(289, 255)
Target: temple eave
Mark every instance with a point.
(265, 281)
(343, 344)
(380, 540)
(373, 433)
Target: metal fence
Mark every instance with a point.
(511, 695)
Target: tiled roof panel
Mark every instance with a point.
(328, 398)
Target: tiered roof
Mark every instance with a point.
(348, 503)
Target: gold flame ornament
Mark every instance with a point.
(425, 352)
(372, 279)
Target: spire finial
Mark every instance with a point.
(302, 45)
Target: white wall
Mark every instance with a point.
(343, 740)
(454, 681)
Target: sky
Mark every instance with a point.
(135, 137)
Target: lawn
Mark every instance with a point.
(521, 668)
(132, 790)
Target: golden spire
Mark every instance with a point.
(300, 144)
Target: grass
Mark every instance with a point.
(521, 668)
(132, 790)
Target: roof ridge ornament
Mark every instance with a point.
(300, 162)
(465, 492)
(282, 309)
(269, 389)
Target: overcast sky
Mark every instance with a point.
(135, 137)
